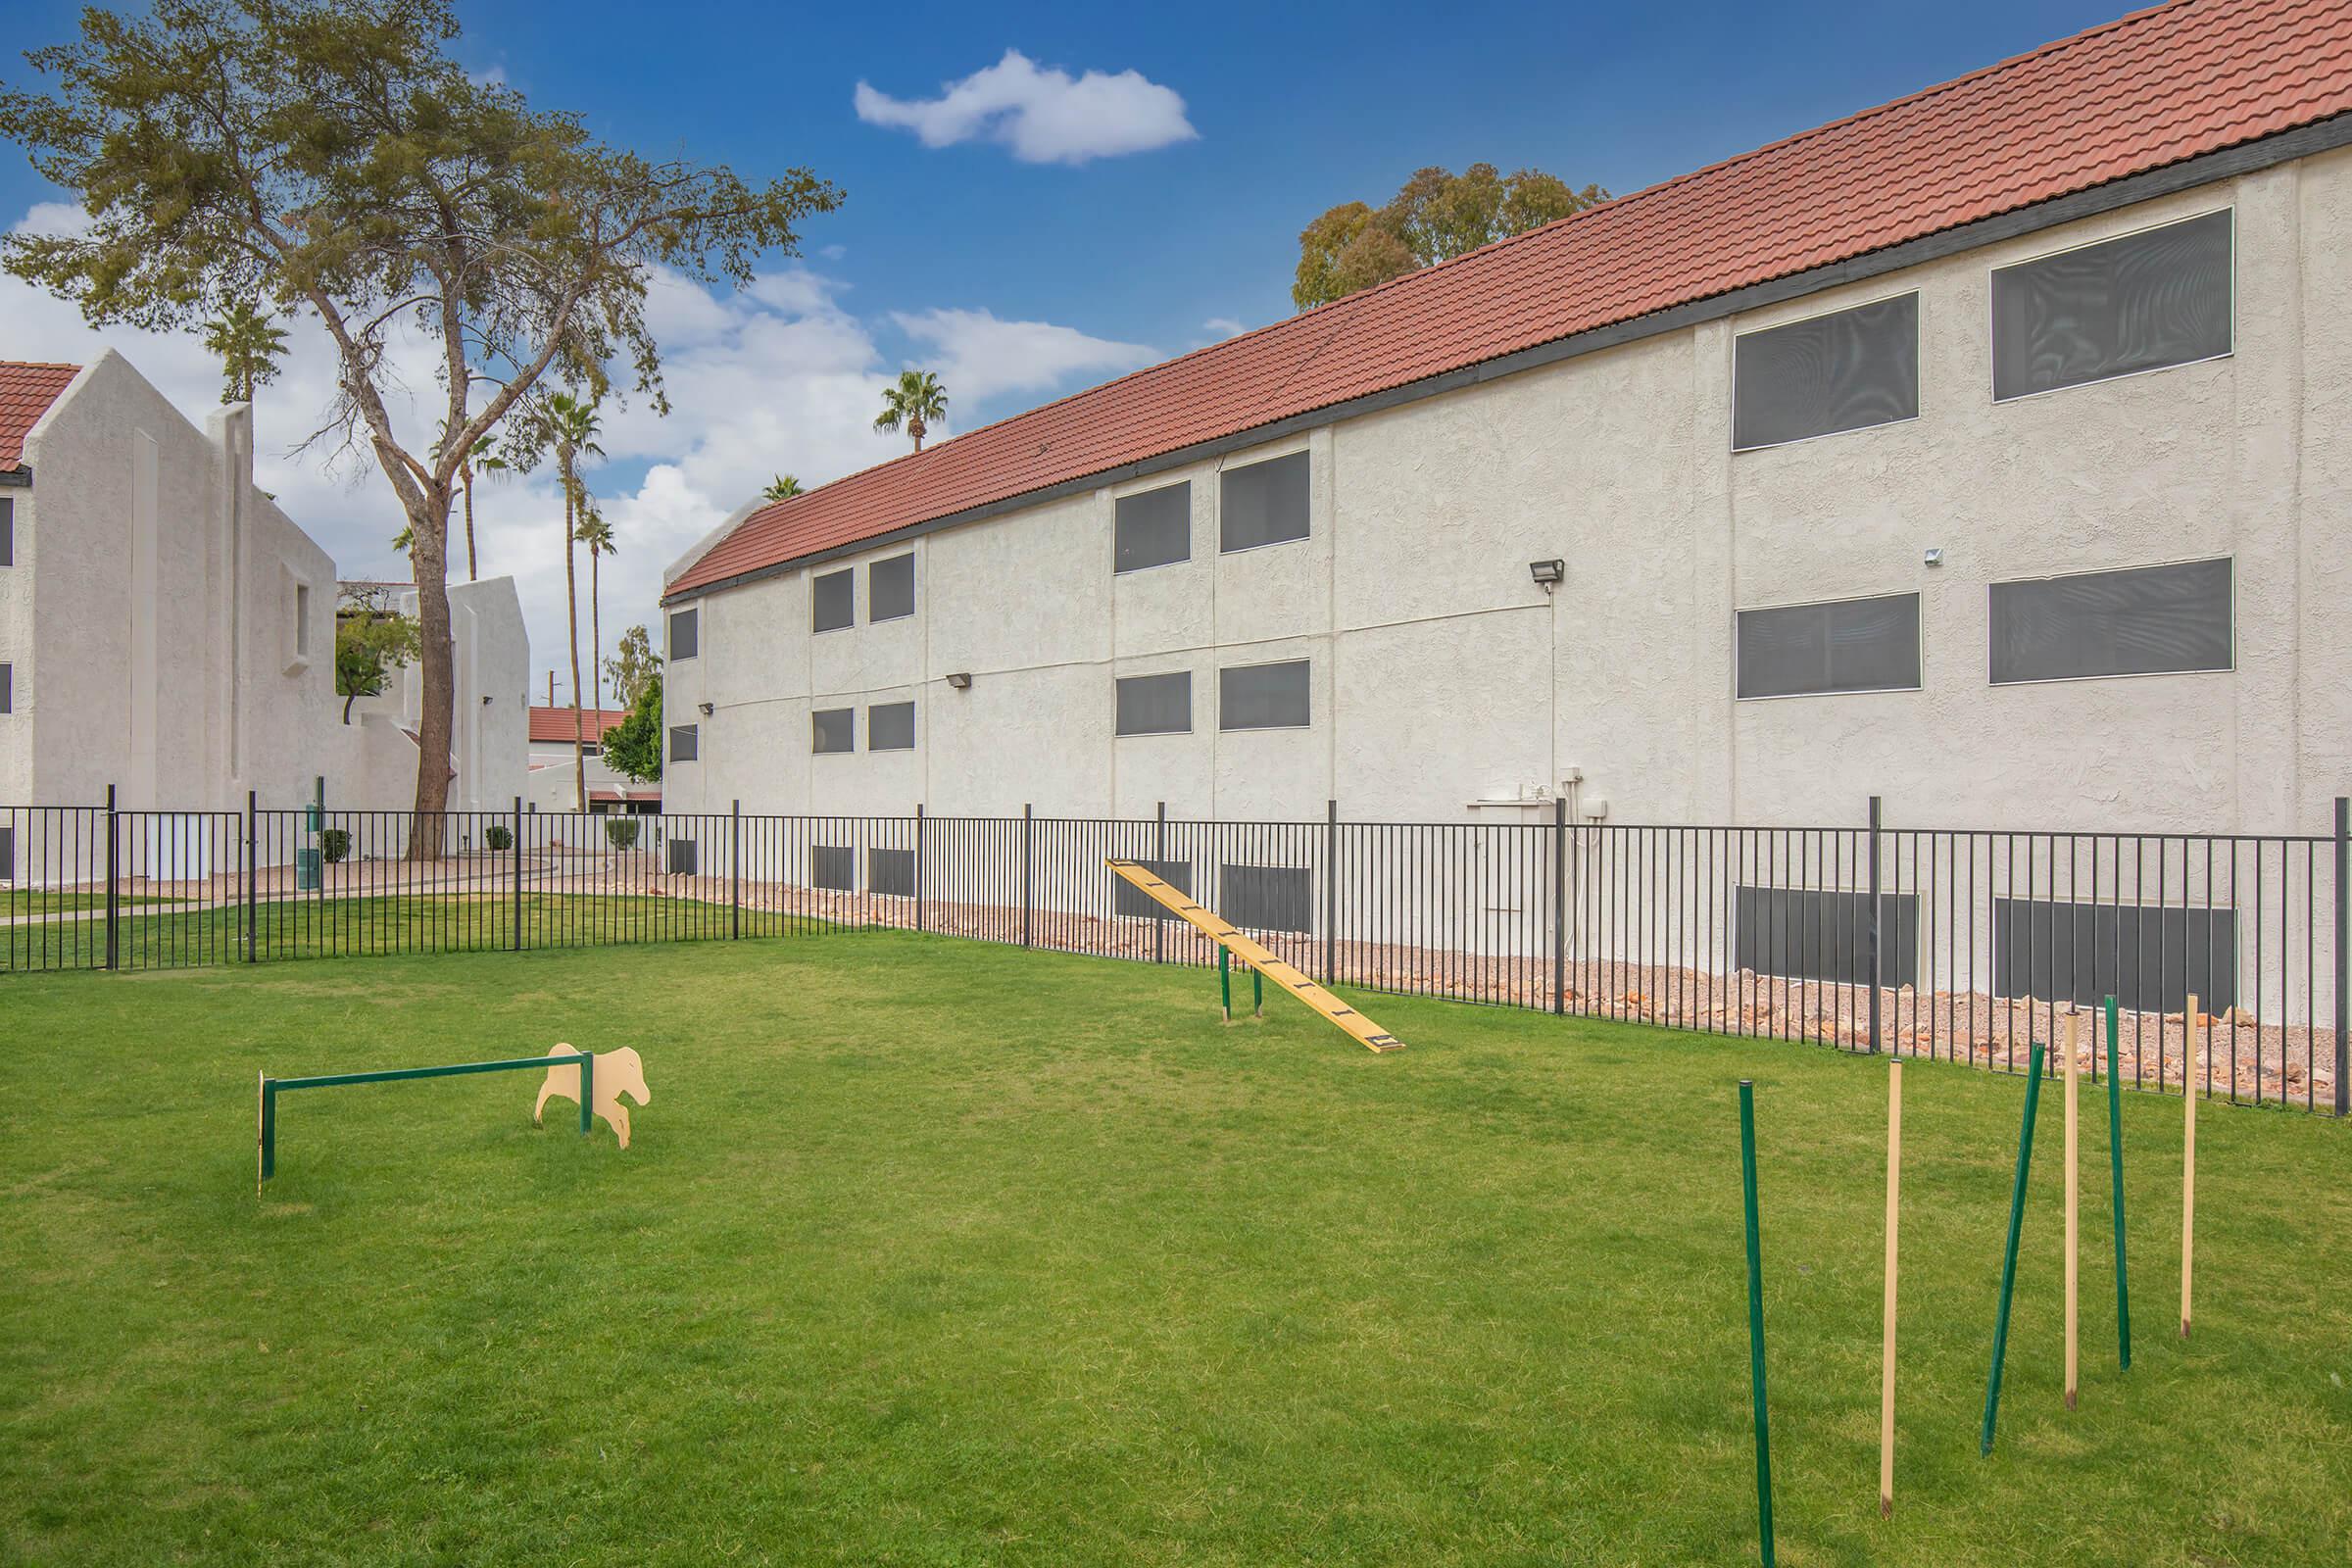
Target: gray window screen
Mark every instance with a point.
(685, 743)
(2130, 304)
(8, 852)
(685, 634)
(1840, 371)
(834, 600)
(1152, 529)
(685, 856)
(833, 729)
(2149, 959)
(2140, 621)
(7, 688)
(890, 589)
(1803, 934)
(1264, 696)
(1263, 504)
(1129, 899)
(1267, 897)
(1851, 644)
(1157, 705)
(890, 727)
(833, 867)
(891, 871)
(8, 531)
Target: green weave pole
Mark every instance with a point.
(1755, 1313)
(2115, 1164)
(1225, 980)
(2017, 1219)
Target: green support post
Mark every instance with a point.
(2115, 1165)
(1257, 994)
(271, 1087)
(1755, 1313)
(2017, 1219)
(1225, 980)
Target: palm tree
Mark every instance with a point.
(569, 427)
(489, 462)
(597, 534)
(783, 487)
(249, 344)
(916, 400)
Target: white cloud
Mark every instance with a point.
(979, 357)
(1224, 326)
(1044, 114)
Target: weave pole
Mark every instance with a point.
(2115, 1163)
(2074, 1038)
(2188, 1154)
(1895, 1175)
(1755, 1313)
(2017, 1218)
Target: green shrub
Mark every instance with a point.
(500, 838)
(334, 843)
(620, 832)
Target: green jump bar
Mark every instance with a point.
(272, 1087)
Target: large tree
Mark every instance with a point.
(914, 400)
(1434, 216)
(329, 155)
(248, 345)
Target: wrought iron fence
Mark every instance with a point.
(1976, 939)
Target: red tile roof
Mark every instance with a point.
(26, 393)
(553, 726)
(2154, 88)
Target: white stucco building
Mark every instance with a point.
(1990, 451)
(554, 784)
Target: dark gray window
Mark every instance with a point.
(1267, 897)
(1840, 371)
(685, 634)
(1129, 899)
(685, 856)
(1849, 645)
(7, 688)
(2149, 959)
(833, 729)
(1264, 696)
(8, 531)
(834, 599)
(8, 852)
(2138, 303)
(2140, 621)
(890, 589)
(833, 867)
(1801, 933)
(891, 871)
(890, 727)
(1152, 529)
(685, 743)
(1263, 504)
(1155, 704)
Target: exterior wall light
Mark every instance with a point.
(1548, 574)
(707, 709)
(961, 680)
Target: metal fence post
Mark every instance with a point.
(113, 897)
(1331, 889)
(918, 865)
(1159, 857)
(253, 931)
(735, 875)
(1873, 926)
(516, 941)
(1560, 904)
(1028, 859)
(2344, 962)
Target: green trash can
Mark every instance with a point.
(309, 871)
(310, 817)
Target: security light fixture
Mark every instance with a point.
(1548, 574)
(1934, 556)
(961, 680)
(707, 709)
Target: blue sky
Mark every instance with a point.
(1092, 224)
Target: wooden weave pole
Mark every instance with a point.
(2074, 1031)
(1894, 1174)
(2188, 1153)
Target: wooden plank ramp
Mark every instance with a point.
(1222, 931)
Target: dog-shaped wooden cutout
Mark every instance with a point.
(617, 1073)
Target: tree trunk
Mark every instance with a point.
(571, 614)
(596, 633)
(437, 671)
(916, 428)
(473, 570)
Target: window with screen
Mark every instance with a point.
(8, 531)
(833, 868)
(2144, 620)
(1267, 897)
(1848, 644)
(890, 727)
(833, 729)
(1155, 704)
(2136, 303)
(2149, 959)
(685, 856)
(685, 634)
(1844, 370)
(833, 600)
(890, 589)
(891, 872)
(1129, 899)
(1262, 504)
(8, 852)
(1152, 529)
(1805, 934)
(685, 743)
(7, 688)
(1264, 696)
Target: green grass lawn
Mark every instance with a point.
(934, 1252)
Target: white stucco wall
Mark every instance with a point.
(1443, 674)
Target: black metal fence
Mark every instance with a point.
(1976, 940)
